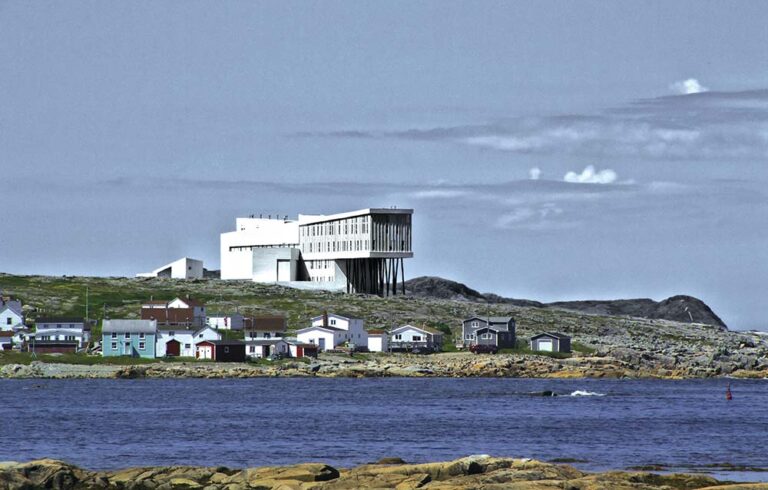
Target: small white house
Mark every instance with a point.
(256, 349)
(63, 329)
(301, 349)
(225, 322)
(409, 337)
(325, 338)
(184, 268)
(11, 316)
(353, 328)
(378, 341)
(180, 342)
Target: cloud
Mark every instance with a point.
(534, 173)
(589, 176)
(703, 125)
(687, 87)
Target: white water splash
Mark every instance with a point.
(586, 393)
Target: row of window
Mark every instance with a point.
(344, 246)
(349, 225)
(127, 335)
(142, 345)
(414, 338)
(484, 336)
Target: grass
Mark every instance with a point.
(584, 349)
(71, 358)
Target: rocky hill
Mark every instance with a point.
(684, 309)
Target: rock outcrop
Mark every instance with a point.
(473, 472)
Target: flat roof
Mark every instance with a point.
(308, 219)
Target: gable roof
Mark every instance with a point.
(490, 319)
(556, 335)
(60, 320)
(424, 329)
(321, 327)
(266, 322)
(130, 326)
(11, 309)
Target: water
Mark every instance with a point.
(608, 424)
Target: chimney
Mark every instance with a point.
(325, 318)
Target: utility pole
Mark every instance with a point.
(86, 305)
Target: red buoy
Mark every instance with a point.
(728, 394)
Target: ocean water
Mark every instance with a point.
(605, 424)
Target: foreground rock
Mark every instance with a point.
(474, 472)
(614, 363)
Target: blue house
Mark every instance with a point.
(135, 338)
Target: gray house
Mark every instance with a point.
(490, 330)
(551, 342)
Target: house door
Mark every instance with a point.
(321, 343)
(173, 348)
(545, 345)
(127, 349)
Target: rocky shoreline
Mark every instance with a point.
(453, 365)
(473, 472)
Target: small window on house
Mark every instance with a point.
(114, 345)
(333, 321)
(141, 336)
(127, 335)
(226, 350)
(187, 346)
(475, 324)
(171, 333)
(8, 321)
(417, 338)
(398, 337)
(114, 335)
(142, 345)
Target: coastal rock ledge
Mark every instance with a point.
(473, 472)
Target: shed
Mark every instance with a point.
(221, 350)
(551, 342)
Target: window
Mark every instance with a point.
(398, 337)
(226, 350)
(333, 321)
(114, 335)
(141, 336)
(142, 345)
(8, 321)
(487, 336)
(114, 345)
(475, 324)
(252, 349)
(187, 346)
(127, 335)
(171, 333)
(417, 338)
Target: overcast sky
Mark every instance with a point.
(551, 150)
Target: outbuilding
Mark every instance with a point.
(551, 342)
(221, 350)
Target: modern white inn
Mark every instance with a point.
(361, 251)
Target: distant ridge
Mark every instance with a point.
(681, 308)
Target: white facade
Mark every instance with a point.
(225, 322)
(353, 328)
(256, 349)
(377, 342)
(325, 338)
(184, 268)
(187, 338)
(58, 329)
(320, 249)
(10, 319)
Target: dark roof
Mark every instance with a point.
(7, 333)
(60, 320)
(490, 319)
(551, 334)
(271, 323)
(225, 342)
(376, 331)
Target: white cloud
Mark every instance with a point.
(687, 87)
(534, 173)
(590, 176)
(437, 194)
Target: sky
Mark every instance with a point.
(551, 150)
